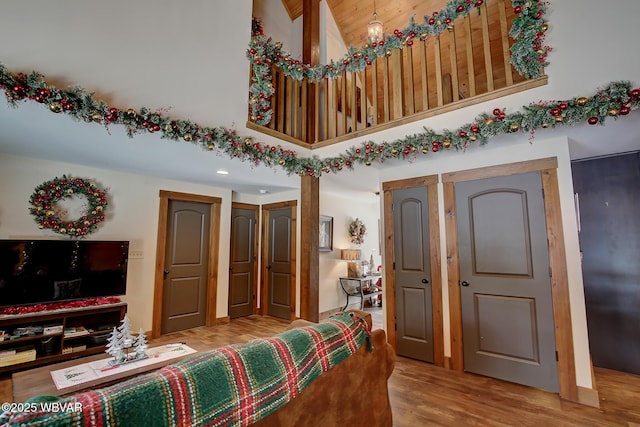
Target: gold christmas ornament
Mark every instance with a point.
(96, 117)
(488, 120)
(55, 107)
(168, 128)
(425, 150)
(281, 162)
(545, 125)
(559, 119)
(544, 27)
(187, 137)
(514, 127)
(211, 146)
(582, 101)
(248, 141)
(612, 112)
(473, 138)
(446, 143)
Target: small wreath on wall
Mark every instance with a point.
(49, 213)
(357, 231)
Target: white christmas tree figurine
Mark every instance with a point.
(141, 345)
(123, 346)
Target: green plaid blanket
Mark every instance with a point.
(235, 385)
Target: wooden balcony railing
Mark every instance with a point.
(466, 64)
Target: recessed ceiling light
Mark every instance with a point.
(263, 191)
(222, 172)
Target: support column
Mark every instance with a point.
(309, 242)
(311, 56)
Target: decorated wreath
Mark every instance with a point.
(48, 214)
(357, 230)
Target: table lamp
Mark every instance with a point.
(353, 267)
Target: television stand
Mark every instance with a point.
(57, 335)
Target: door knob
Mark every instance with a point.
(425, 281)
(464, 283)
(166, 272)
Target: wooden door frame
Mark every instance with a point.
(264, 281)
(254, 285)
(430, 184)
(557, 261)
(212, 273)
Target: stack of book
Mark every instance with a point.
(75, 331)
(13, 356)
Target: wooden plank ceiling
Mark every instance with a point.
(352, 16)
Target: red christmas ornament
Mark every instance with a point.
(462, 134)
(517, 9)
(479, 3)
(496, 112)
(563, 105)
(460, 8)
(635, 93)
(555, 112)
(431, 21)
(592, 120)
(475, 129)
(624, 111)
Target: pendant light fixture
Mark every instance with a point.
(374, 29)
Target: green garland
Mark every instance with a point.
(615, 100)
(528, 52)
(46, 195)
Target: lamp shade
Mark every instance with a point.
(350, 254)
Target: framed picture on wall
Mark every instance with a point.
(326, 234)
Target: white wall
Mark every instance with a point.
(132, 215)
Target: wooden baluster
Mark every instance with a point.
(385, 81)
(363, 98)
(398, 84)
(295, 109)
(343, 102)
(334, 107)
(353, 101)
(315, 87)
(325, 118)
(438, 62)
(374, 91)
(411, 105)
(470, 67)
(289, 107)
(281, 93)
(455, 86)
(486, 42)
(306, 88)
(506, 53)
(424, 76)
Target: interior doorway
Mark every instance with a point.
(425, 339)
(557, 261)
(177, 210)
(608, 196)
(278, 290)
(243, 262)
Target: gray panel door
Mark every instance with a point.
(414, 320)
(186, 266)
(507, 313)
(242, 262)
(279, 263)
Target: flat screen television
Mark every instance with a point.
(42, 271)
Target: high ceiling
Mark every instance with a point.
(352, 16)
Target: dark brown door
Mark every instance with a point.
(609, 199)
(414, 320)
(242, 262)
(507, 314)
(279, 263)
(186, 266)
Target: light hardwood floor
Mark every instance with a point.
(424, 395)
